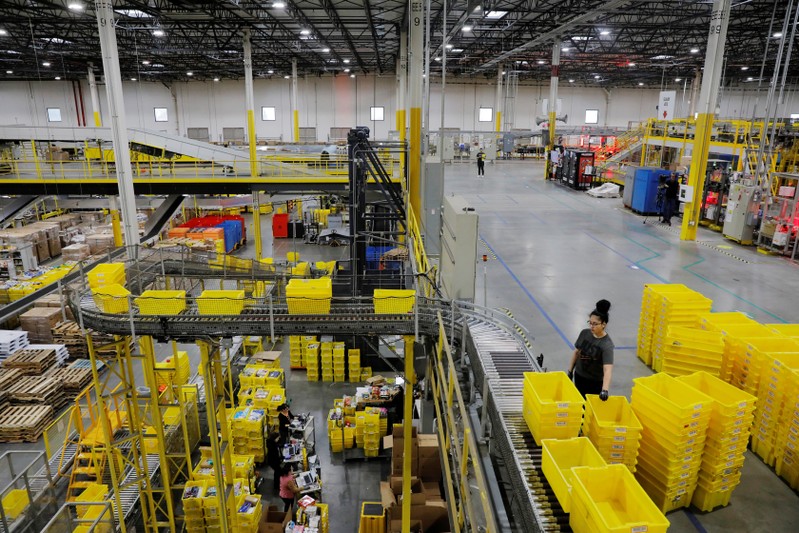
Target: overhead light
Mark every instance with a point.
(438, 59)
(449, 47)
(9, 71)
(477, 8)
(640, 83)
(145, 62)
(694, 50)
(286, 77)
(678, 80)
(3, 32)
(305, 32)
(75, 6)
(744, 68)
(630, 64)
(133, 13)
(352, 75)
(346, 70)
(467, 28)
(216, 79)
(45, 64)
(565, 49)
(596, 76)
(133, 79)
(604, 33)
(278, 5)
(346, 61)
(325, 50)
(777, 35)
(661, 57)
(496, 14)
(571, 80)
(158, 33)
(270, 71)
(58, 77)
(457, 50)
(580, 38)
(190, 74)
(541, 62)
(750, 78)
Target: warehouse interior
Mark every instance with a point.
(321, 267)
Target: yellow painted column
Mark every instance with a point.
(249, 94)
(498, 102)
(95, 97)
(295, 104)
(117, 228)
(714, 61)
(553, 106)
(407, 431)
(415, 81)
(402, 89)
(256, 221)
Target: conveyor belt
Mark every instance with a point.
(498, 367)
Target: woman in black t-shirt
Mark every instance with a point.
(591, 365)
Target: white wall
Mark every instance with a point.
(326, 102)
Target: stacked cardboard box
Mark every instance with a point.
(39, 322)
(397, 444)
(76, 252)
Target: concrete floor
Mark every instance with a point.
(553, 252)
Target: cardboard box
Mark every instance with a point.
(432, 491)
(267, 357)
(395, 526)
(387, 497)
(272, 520)
(434, 516)
(429, 457)
(375, 381)
(397, 431)
(429, 469)
(417, 490)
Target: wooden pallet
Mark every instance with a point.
(74, 380)
(38, 389)
(69, 334)
(9, 376)
(31, 362)
(24, 423)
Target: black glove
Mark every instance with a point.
(603, 395)
(570, 373)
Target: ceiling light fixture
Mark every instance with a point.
(346, 61)
(270, 71)
(305, 32)
(744, 68)
(190, 74)
(287, 77)
(58, 77)
(3, 32)
(457, 50)
(45, 64)
(145, 62)
(278, 5)
(750, 78)
(496, 14)
(640, 83)
(9, 71)
(467, 28)
(158, 33)
(352, 75)
(325, 50)
(438, 59)
(75, 6)
(346, 70)
(777, 35)
(630, 64)
(133, 13)
(541, 62)
(571, 80)
(678, 80)
(449, 47)
(216, 79)
(133, 79)
(694, 50)
(604, 33)
(565, 49)
(596, 76)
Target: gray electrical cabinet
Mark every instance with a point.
(736, 226)
(458, 248)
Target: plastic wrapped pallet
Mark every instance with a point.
(76, 252)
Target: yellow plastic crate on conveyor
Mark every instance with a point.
(218, 302)
(112, 298)
(161, 302)
(106, 274)
(609, 500)
(394, 301)
(309, 296)
(559, 457)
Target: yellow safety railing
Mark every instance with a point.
(622, 142)
(58, 431)
(457, 440)
(423, 263)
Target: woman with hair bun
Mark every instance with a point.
(591, 365)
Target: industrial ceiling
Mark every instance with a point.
(608, 43)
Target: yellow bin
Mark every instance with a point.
(111, 298)
(309, 296)
(394, 301)
(161, 302)
(216, 302)
(559, 457)
(373, 518)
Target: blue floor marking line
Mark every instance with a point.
(530, 296)
(501, 218)
(694, 520)
(511, 199)
(538, 218)
(481, 198)
(687, 268)
(636, 263)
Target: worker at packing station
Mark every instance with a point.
(670, 198)
(481, 163)
(591, 365)
(283, 422)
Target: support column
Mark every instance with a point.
(402, 90)
(119, 128)
(95, 97)
(416, 58)
(498, 103)
(552, 108)
(407, 433)
(295, 105)
(250, 100)
(714, 61)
